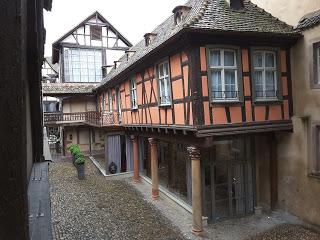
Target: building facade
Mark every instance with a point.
(298, 153)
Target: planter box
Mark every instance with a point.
(80, 170)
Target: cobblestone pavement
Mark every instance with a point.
(96, 208)
(288, 232)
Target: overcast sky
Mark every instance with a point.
(132, 18)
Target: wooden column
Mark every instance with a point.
(273, 171)
(154, 168)
(194, 154)
(90, 141)
(136, 177)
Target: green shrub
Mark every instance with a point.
(74, 148)
(80, 160)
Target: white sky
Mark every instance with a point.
(132, 18)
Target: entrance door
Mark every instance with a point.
(231, 179)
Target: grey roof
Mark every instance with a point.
(212, 15)
(309, 20)
(55, 89)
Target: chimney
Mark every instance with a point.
(235, 4)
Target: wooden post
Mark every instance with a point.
(136, 177)
(194, 154)
(273, 172)
(154, 168)
(90, 141)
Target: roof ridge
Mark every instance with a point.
(199, 15)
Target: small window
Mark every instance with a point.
(110, 101)
(316, 146)
(134, 104)
(96, 32)
(178, 17)
(223, 75)
(265, 75)
(316, 63)
(70, 137)
(164, 84)
(104, 102)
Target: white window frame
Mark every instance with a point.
(166, 99)
(223, 68)
(133, 89)
(265, 69)
(110, 101)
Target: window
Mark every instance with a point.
(316, 64)
(315, 167)
(96, 32)
(164, 84)
(110, 101)
(178, 17)
(134, 103)
(265, 74)
(223, 74)
(104, 102)
(82, 65)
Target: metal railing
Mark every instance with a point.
(222, 95)
(91, 117)
(267, 94)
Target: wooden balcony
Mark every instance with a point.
(92, 118)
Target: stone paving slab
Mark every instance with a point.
(97, 208)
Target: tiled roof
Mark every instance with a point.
(309, 20)
(214, 15)
(67, 88)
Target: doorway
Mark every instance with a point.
(229, 179)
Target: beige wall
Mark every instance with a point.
(289, 11)
(299, 193)
(79, 104)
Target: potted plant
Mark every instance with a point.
(74, 150)
(79, 163)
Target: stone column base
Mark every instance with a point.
(155, 194)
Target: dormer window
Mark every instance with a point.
(149, 37)
(129, 54)
(235, 4)
(179, 13)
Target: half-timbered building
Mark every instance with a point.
(197, 107)
(84, 54)
(203, 97)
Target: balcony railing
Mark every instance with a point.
(90, 118)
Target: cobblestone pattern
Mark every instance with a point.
(288, 232)
(96, 208)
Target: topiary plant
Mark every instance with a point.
(80, 160)
(73, 148)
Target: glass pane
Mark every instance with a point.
(258, 82)
(257, 59)
(215, 58)
(166, 68)
(216, 84)
(229, 58)
(270, 59)
(270, 84)
(160, 70)
(230, 84)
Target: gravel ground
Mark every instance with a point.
(288, 232)
(97, 208)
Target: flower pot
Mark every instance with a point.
(80, 170)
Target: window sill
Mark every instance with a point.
(167, 105)
(134, 109)
(314, 175)
(226, 102)
(264, 101)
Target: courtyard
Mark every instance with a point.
(97, 208)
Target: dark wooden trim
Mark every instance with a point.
(289, 81)
(246, 74)
(179, 77)
(78, 137)
(227, 110)
(273, 172)
(185, 108)
(185, 63)
(204, 73)
(267, 113)
(244, 128)
(196, 85)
